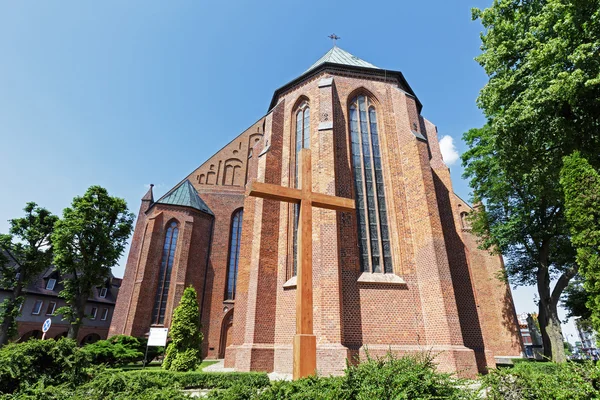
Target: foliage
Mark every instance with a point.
(48, 369)
(581, 184)
(541, 102)
(126, 390)
(88, 241)
(574, 299)
(543, 381)
(183, 353)
(204, 380)
(24, 253)
(45, 362)
(116, 351)
(410, 377)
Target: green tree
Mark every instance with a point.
(542, 102)
(575, 298)
(581, 184)
(88, 241)
(24, 253)
(183, 352)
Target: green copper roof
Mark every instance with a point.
(186, 195)
(339, 56)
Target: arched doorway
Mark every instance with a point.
(225, 333)
(30, 335)
(91, 338)
(61, 335)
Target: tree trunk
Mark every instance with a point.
(550, 328)
(79, 313)
(9, 320)
(551, 331)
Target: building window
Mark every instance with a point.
(464, 220)
(104, 314)
(373, 235)
(51, 308)
(93, 313)
(302, 142)
(164, 275)
(234, 253)
(37, 307)
(103, 292)
(51, 283)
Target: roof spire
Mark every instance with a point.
(334, 37)
(149, 196)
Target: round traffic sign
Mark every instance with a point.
(46, 325)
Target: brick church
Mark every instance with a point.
(401, 273)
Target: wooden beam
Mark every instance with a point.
(332, 203)
(274, 192)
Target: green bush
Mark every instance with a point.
(551, 381)
(66, 392)
(117, 351)
(411, 377)
(46, 362)
(183, 353)
(204, 380)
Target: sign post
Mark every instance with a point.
(156, 338)
(46, 327)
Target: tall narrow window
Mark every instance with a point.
(234, 253)
(373, 232)
(302, 142)
(164, 275)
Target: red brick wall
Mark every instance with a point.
(133, 311)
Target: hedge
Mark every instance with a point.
(205, 380)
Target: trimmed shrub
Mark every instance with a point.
(183, 353)
(204, 380)
(46, 362)
(117, 351)
(66, 392)
(547, 380)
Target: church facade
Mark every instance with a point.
(401, 273)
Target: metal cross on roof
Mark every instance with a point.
(334, 37)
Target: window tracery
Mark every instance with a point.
(373, 231)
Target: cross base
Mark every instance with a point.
(305, 355)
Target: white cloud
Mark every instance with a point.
(449, 152)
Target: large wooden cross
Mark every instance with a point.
(305, 342)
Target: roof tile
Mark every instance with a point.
(339, 56)
(186, 195)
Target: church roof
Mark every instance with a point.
(337, 58)
(185, 195)
(342, 57)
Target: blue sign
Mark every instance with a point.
(46, 325)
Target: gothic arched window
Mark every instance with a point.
(234, 253)
(373, 234)
(164, 274)
(302, 142)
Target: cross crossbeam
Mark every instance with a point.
(305, 343)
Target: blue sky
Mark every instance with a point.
(123, 94)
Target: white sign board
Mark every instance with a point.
(46, 325)
(158, 336)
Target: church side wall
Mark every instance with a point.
(216, 306)
(499, 323)
(192, 244)
(122, 306)
(352, 316)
